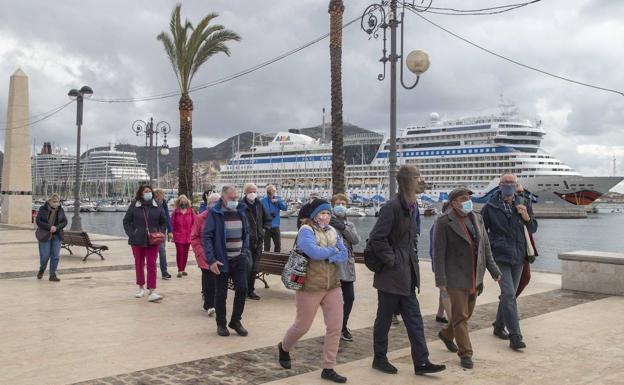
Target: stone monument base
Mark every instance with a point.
(16, 209)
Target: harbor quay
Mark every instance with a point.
(89, 329)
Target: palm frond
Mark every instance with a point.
(212, 45)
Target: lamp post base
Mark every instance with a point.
(76, 224)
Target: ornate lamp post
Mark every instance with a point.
(78, 95)
(151, 135)
(374, 18)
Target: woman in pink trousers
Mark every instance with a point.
(182, 220)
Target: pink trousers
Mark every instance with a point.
(182, 252)
(307, 305)
(141, 255)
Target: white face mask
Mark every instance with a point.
(252, 196)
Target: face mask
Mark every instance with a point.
(508, 190)
(323, 221)
(184, 205)
(252, 196)
(232, 205)
(467, 207)
(340, 210)
(147, 196)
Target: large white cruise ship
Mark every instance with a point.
(471, 152)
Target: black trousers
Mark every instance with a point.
(348, 297)
(238, 272)
(409, 309)
(256, 253)
(273, 234)
(208, 288)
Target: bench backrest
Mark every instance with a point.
(77, 238)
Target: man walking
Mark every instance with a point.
(508, 221)
(259, 220)
(226, 245)
(461, 253)
(273, 204)
(394, 241)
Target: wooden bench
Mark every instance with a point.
(81, 239)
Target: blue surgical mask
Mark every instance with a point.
(467, 207)
(147, 196)
(508, 190)
(232, 205)
(340, 211)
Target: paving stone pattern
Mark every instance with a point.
(259, 366)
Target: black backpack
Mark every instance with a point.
(371, 261)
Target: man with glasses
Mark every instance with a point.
(506, 217)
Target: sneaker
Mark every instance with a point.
(441, 320)
(331, 375)
(238, 328)
(515, 342)
(253, 296)
(40, 274)
(154, 297)
(222, 331)
(429, 368)
(211, 311)
(180, 274)
(395, 319)
(346, 335)
(284, 357)
(450, 345)
(500, 333)
(140, 293)
(54, 278)
(166, 276)
(383, 365)
(184, 273)
(466, 362)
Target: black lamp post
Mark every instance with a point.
(78, 95)
(151, 134)
(376, 17)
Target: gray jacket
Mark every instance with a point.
(346, 228)
(454, 263)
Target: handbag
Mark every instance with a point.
(43, 235)
(530, 249)
(156, 237)
(296, 269)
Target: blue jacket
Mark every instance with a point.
(506, 232)
(274, 209)
(202, 207)
(215, 235)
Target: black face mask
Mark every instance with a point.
(183, 206)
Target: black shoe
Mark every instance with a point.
(40, 274)
(383, 365)
(238, 328)
(54, 278)
(450, 345)
(331, 375)
(253, 296)
(500, 333)
(346, 335)
(466, 362)
(222, 331)
(166, 276)
(184, 273)
(429, 368)
(441, 320)
(284, 357)
(515, 342)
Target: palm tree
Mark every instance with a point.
(336, 10)
(188, 47)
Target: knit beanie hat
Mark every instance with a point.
(318, 205)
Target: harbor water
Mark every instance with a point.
(598, 232)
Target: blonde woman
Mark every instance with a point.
(182, 223)
(51, 221)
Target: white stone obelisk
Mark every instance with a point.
(16, 188)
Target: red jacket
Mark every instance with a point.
(182, 225)
(196, 240)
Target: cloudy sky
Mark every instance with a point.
(112, 47)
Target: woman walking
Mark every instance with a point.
(144, 216)
(182, 222)
(324, 247)
(197, 243)
(51, 221)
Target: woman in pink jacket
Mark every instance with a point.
(182, 222)
(197, 243)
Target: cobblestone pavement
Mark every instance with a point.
(260, 366)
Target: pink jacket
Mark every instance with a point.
(182, 225)
(196, 240)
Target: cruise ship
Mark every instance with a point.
(471, 152)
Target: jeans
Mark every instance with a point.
(162, 258)
(238, 273)
(208, 288)
(507, 314)
(274, 234)
(50, 250)
(348, 297)
(409, 309)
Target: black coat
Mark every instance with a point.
(42, 219)
(259, 220)
(394, 241)
(506, 233)
(134, 221)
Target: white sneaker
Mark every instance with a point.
(154, 297)
(140, 293)
(211, 312)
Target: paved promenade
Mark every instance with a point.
(89, 329)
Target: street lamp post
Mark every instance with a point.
(374, 18)
(151, 134)
(79, 96)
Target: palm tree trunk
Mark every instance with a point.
(185, 164)
(336, 10)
